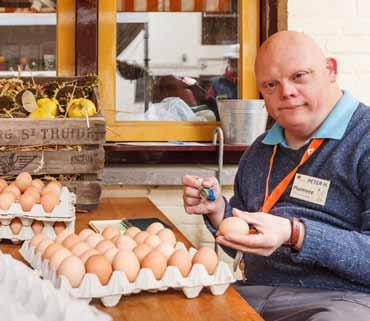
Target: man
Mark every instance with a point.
(225, 86)
(309, 258)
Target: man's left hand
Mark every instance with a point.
(271, 232)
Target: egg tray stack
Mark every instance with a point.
(63, 212)
(25, 297)
(118, 284)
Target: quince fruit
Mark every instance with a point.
(41, 113)
(81, 107)
(48, 104)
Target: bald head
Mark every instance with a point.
(292, 44)
(297, 82)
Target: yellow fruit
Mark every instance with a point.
(80, 107)
(48, 104)
(41, 113)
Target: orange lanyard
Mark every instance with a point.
(271, 200)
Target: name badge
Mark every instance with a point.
(310, 189)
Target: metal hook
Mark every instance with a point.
(218, 133)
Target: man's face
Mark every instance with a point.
(295, 87)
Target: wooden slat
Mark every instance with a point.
(88, 194)
(59, 131)
(86, 37)
(54, 162)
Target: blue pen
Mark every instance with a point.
(208, 194)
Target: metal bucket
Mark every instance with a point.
(242, 121)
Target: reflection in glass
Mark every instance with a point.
(28, 37)
(166, 71)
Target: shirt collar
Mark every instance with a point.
(333, 126)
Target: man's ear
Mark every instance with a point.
(332, 67)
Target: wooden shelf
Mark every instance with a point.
(124, 153)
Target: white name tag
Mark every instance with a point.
(310, 189)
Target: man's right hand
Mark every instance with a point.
(195, 204)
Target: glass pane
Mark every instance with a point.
(27, 38)
(173, 66)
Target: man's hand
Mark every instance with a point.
(195, 204)
(272, 232)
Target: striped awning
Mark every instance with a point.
(174, 5)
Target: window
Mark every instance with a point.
(164, 74)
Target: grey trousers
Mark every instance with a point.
(302, 304)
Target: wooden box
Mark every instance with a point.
(65, 148)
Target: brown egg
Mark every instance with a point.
(6, 200)
(62, 235)
(41, 247)
(36, 239)
(166, 235)
(166, 249)
(94, 239)
(73, 269)
(99, 265)
(124, 242)
(49, 201)
(23, 181)
(47, 190)
(37, 226)
(70, 241)
(141, 251)
(154, 228)
(58, 257)
(55, 185)
(132, 231)
(208, 258)
(85, 256)
(155, 261)
(50, 250)
(59, 227)
(141, 236)
(153, 241)
(16, 225)
(14, 189)
(104, 245)
(110, 232)
(114, 239)
(182, 260)
(3, 184)
(27, 201)
(111, 253)
(34, 192)
(80, 248)
(38, 184)
(85, 233)
(233, 225)
(127, 262)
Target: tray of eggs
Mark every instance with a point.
(30, 206)
(24, 296)
(112, 264)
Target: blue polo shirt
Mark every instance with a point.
(333, 126)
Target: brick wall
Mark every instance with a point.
(342, 28)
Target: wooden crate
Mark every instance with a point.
(61, 146)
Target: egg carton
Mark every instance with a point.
(118, 284)
(26, 297)
(26, 232)
(64, 210)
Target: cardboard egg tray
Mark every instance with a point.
(118, 284)
(63, 212)
(24, 296)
